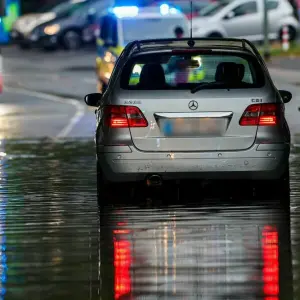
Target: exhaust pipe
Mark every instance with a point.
(154, 180)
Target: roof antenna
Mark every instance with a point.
(191, 42)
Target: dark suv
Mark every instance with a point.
(69, 27)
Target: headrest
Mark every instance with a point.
(152, 76)
(230, 72)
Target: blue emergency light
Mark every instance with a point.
(165, 9)
(125, 11)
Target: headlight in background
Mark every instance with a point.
(107, 75)
(52, 29)
(109, 57)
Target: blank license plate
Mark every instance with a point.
(193, 127)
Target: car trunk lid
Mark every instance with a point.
(180, 121)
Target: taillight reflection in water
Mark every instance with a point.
(182, 253)
(122, 264)
(271, 263)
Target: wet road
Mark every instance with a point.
(28, 114)
(56, 244)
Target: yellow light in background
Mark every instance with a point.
(109, 58)
(52, 29)
(107, 75)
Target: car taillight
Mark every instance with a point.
(270, 252)
(118, 116)
(266, 114)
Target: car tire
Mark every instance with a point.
(292, 33)
(24, 46)
(71, 40)
(110, 192)
(50, 48)
(215, 35)
(275, 190)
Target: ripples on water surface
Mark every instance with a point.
(54, 243)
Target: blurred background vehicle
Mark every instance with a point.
(74, 23)
(243, 19)
(128, 23)
(67, 25)
(23, 26)
(185, 7)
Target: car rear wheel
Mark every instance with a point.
(275, 190)
(71, 40)
(50, 48)
(24, 46)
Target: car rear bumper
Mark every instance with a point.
(123, 163)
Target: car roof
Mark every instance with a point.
(199, 43)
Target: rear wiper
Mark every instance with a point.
(205, 85)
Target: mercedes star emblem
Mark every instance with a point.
(193, 105)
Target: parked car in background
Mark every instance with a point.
(67, 25)
(128, 23)
(22, 28)
(243, 19)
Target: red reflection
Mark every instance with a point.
(122, 262)
(121, 223)
(121, 231)
(271, 263)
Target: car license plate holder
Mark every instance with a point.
(192, 126)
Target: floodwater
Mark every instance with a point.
(56, 244)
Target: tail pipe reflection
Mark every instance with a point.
(270, 254)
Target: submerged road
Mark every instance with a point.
(56, 244)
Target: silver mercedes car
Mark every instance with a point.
(191, 109)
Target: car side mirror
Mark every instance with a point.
(92, 99)
(229, 16)
(286, 96)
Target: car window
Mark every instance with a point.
(177, 74)
(245, 9)
(68, 8)
(213, 9)
(185, 7)
(272, 5)
(49, 7)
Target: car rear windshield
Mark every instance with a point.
(183, 71)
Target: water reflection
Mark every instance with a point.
(55, 244)
(3, 202)
(187, 253)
